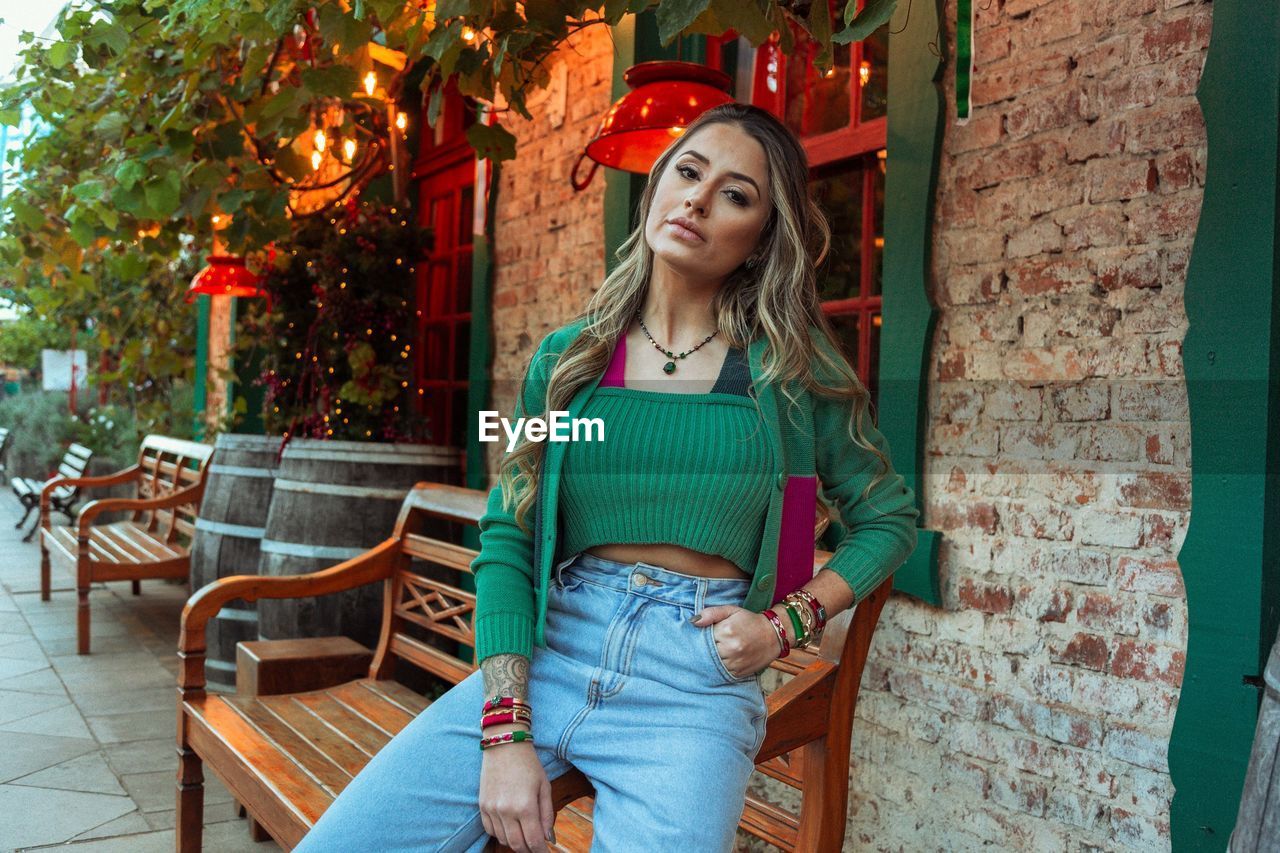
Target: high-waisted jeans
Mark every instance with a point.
(628, 690)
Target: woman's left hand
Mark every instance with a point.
(745, 640)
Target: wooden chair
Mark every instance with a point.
(154, 542)
(285, 757)
(63, 497)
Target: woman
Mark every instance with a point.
(684, 537)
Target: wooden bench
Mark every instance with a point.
(63, 497)
(154, 542)
(6, 438)
(286, 757)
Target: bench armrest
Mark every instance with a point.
(89, 511)
(373, 565)
(124, 476)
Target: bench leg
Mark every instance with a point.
(30, 534)
(44, 571)
(137, 587)
(25, 515)
(190, 816)
(257, 833)
(82, 619)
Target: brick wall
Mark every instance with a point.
(1034, 710)
(548, 239)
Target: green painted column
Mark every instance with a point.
(1230, 558)
(914, 146)
(200, 382)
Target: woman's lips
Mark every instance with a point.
(684, 233)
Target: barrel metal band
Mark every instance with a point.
(241, 470)
(242, 531)
(301, 549)
(367, 457)
(339, 489)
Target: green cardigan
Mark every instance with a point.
(875, 536)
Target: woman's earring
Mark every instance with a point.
(752, 261)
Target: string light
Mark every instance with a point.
(320, 141)
(370, 83)
(316, 158)
(349, 148)
(402, 121)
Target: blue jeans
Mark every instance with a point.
(628, 690)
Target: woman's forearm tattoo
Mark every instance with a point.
(506, 675)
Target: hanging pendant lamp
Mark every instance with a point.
(665, 97)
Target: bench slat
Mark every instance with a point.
(373, 706)
(292, 745)
(335, 746)
(368, 737)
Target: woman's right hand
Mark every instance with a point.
(515, 795)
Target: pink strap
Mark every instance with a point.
(614, 374)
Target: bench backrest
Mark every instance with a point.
(75, 463)
(167, 465)
(4, 448)
(810, 717)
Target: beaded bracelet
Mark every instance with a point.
(500, 702)
(507, 737)
(782, 634)
(518, 716)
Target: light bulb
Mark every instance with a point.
(316, 157)
(349, 148)
(370, 83)
(320, 140)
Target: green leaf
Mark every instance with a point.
(90, 189)
(494, 142)
(873, 16)
(111, 124)
(334, 81)
(61, 54)
(162, 194)
(82, 233)
(674, 15)
(129, 173)
(26, 214)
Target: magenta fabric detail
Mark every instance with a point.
(795, 535)
(614, 374)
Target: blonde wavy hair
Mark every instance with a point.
(777, 298)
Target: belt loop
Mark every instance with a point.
(560, 567)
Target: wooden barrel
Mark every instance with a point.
(228, 538)
(333, 500)
(1258, 821)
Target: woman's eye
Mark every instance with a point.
(685, 170)
(737, 197)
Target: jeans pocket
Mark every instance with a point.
(729, 677)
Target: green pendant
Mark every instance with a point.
(669, 367)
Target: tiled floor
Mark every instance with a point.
(87, 743)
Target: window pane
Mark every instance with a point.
(847, 328)
(873, 72)
(464, 218)
(461, 350)
(817, 103)
(460, 418)
(839, 194)
(877, 223)
(462, 304)
(873, 371)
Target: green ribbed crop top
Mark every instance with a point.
(685, 469)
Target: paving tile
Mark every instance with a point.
(90, 681)
(63, 722)
(229, 836)
(89, 773)
(16, 704)
(99, 702)
(130, 824)
(22, 648)
(142, 756)
(65, 646)
(136, 725)
(213, 813)
(12, 667)
(41, 681)
(155, 791)
(22, 754)
(30, 816)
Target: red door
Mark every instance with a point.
(444, 175)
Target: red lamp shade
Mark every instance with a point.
(226, 275)
(665, 98)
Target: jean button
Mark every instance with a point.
(639, 579)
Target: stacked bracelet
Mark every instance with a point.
(508, 737)
(501, 710)
(782, 634)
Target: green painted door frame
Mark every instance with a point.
(1230, 559)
